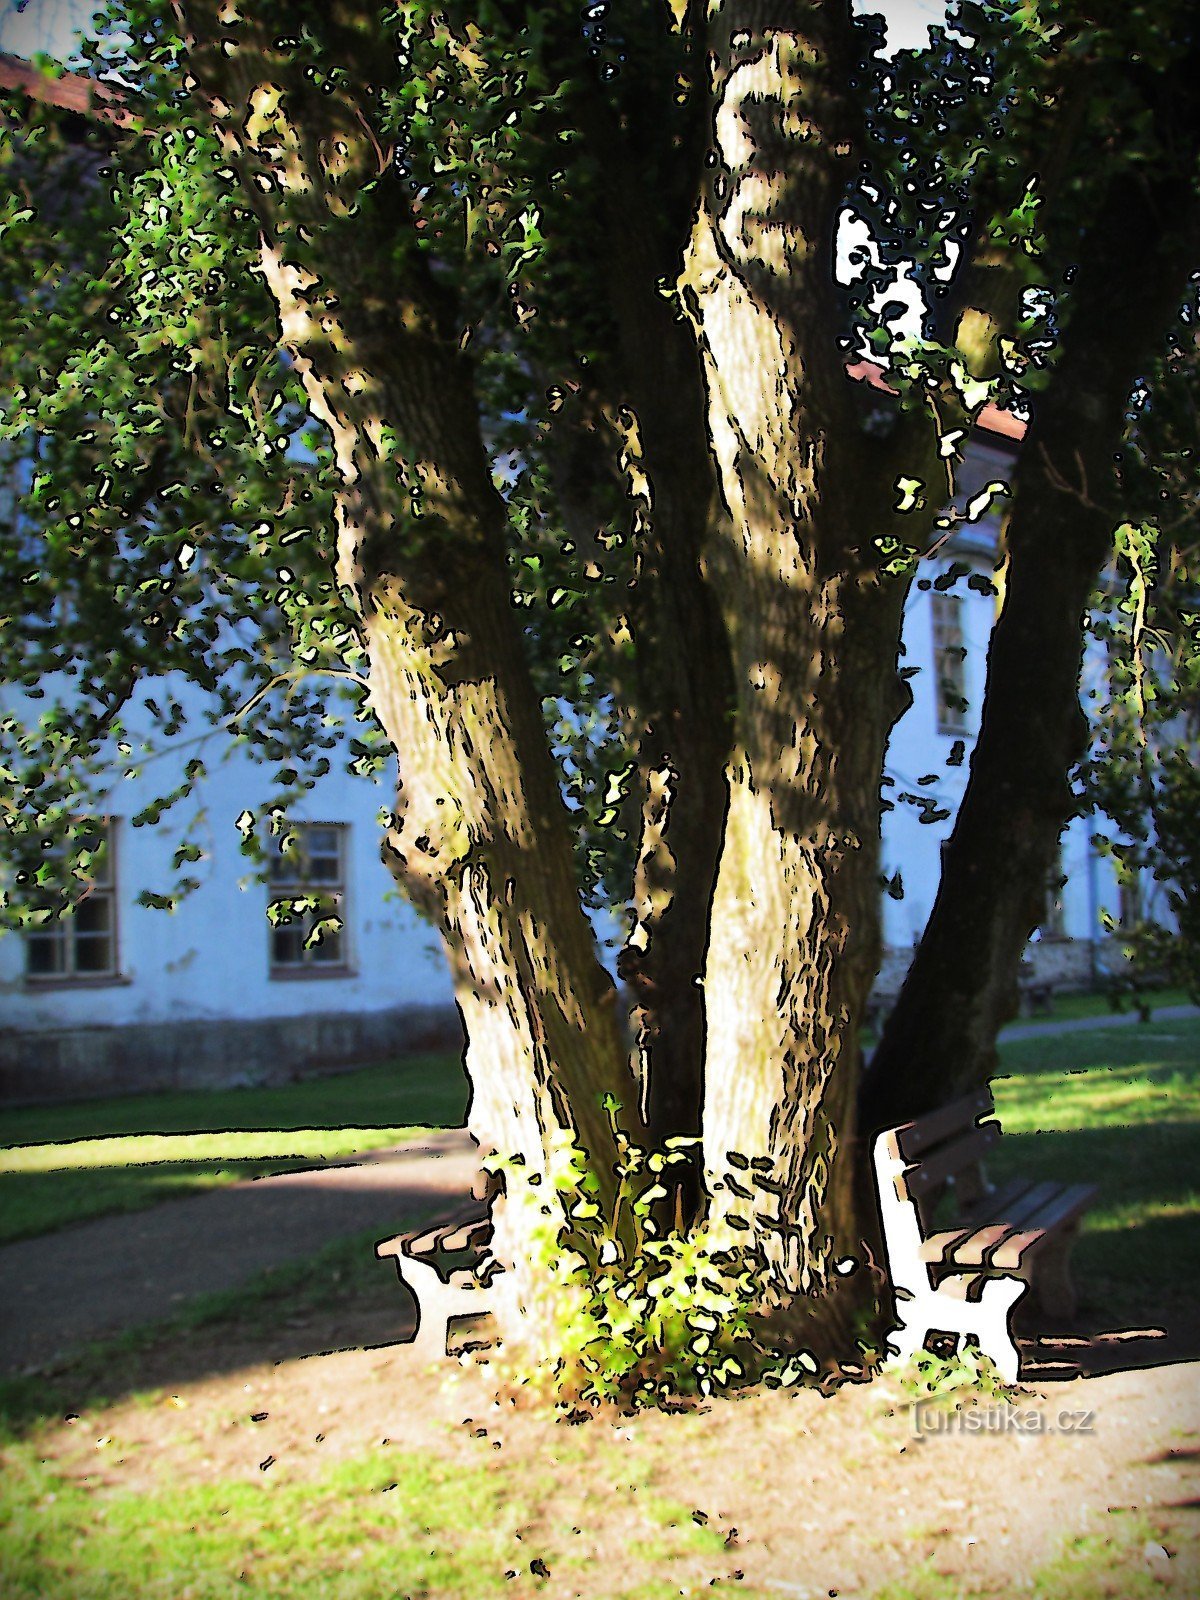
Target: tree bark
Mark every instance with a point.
(814, 628)
(682, 677)
(479, 838)
(1134, 266)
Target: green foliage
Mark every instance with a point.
(637, 1312)
(1141, 771)
(165, 515)
(948, 1380)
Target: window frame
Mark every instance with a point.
(949, 664)
(300, 883)
(62, 933)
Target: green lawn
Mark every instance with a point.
(385, 1525)
(1119, 1108)
(1070, 1007)
(61, 1164)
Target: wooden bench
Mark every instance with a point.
(960, 1252)
(449, 1269)
(1036, 997)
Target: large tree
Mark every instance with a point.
(615, 548)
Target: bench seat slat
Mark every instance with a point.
(465, 1229)
(471, 1236)
(941, 1249)
(1012, 1204)
(1053, 1217)
(974, 1250)
(991, 1223)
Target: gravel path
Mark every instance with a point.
(1117, 1019)
(102, 1277)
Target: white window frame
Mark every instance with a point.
(303, 873)
(1054, 920)
(70, 932)
(949, 663)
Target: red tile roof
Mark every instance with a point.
(72, 91)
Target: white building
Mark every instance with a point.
(126, 995)
(945, 643)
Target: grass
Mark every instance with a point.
(387, 1524)
(1110, 1566)
(428, 1090)
(1119, 1108)
(61, 1164)
(1075, 1007)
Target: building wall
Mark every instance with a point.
(918, 750)
(204, 970)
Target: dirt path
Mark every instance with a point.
(813, 1496)
(102, 1277)
(1118, 1019)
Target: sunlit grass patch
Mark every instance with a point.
(429, 1091)
(1126, 1561)
(1119, 1108)
(43, 1187)
(1137, 1048)
(387, 1524)
(62, 1164)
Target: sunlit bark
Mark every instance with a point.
(479, 836)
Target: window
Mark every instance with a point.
(307, 903)
(81, 943)
(1054, 924)
(949, 663)
(1129, 889)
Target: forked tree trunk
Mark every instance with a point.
(814, 630)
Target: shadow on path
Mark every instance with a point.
(66, 1290)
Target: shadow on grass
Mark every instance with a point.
(341, 1298)
(1136, 1262)
(36, 1203)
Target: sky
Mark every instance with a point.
(29, 26)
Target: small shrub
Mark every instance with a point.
(966, 1374)
(641, 1314)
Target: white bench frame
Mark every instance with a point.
(1000, 1244)
(442, 1296)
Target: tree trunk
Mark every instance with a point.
(682, 676)
(814, 628)
(480, 837)
(1134, 268)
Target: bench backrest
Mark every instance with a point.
(946, 1146)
